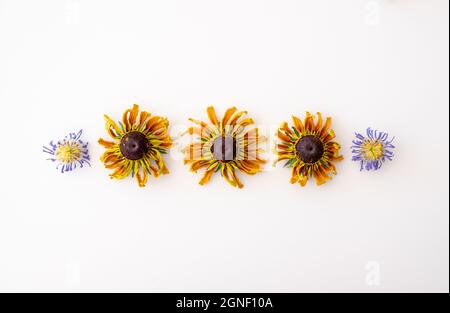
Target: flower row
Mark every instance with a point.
(224, 145)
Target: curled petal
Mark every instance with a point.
(113, 130)
(295, 176)
(106, 144)
(249, 167)
(225, 174)
(158, 127)
(194, 151)
(309, 122)
(285, 127)
(201, 132)
(126, 120)
(283, 137)
(196, 165)
(246, 122)
(150, 168)
(198, 122)
(208, 173)
(154, 120)
(302, 180)
(326, 127)
(134, 114)
(122, 171)
(236, 117)
(142, 180)
(212, 115)
(143, 118)
(337, 157)
(282, 157)
(298, 123)
(319, 178)
(330, 136)
(235, 178)
(319, 123)
(228, 115)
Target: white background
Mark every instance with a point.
(63, 64)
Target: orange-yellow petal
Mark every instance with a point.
(106, 144)
(226, 175)
(236, 117)
(283, 137)
(295, 174)
(196, 165)
(284, 126)
(133, 114)
(208, 173)
(309, 122)
(111, 127)
(302, 180)
(245, 122)
(198, 122)
(235, 178)
(325, 128)
(201, 132)
(319, 122)
(143, 118)
(142, 180)
(151, 123)
(228, 115)
(126, 120)
(212, 115)
(298, 123)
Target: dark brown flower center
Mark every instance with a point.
(224, 148)
(310, 149)
(134, 145)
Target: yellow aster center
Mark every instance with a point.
(373, 150)
(68, 152)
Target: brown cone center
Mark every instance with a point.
(310, 149)
(134, 145)
(224, 148)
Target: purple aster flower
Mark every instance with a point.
(69, 152)
(372, 151)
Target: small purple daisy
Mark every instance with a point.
(373, 150)
(69, 152)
